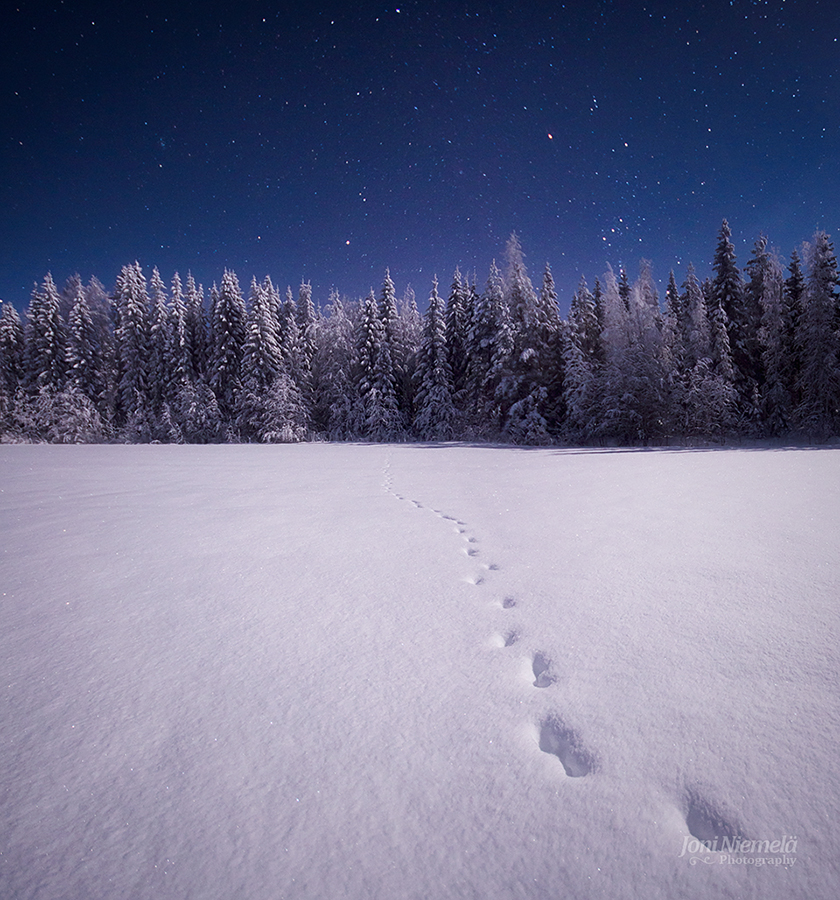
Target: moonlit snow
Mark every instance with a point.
(366, 671)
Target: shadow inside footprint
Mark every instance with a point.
(707, 823)
(511, 638)
(542, 675)
(560, 741)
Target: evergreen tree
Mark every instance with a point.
(179, 352)
(818, 412)
(132, 302)
(229, 332)
(86, 372)
(456, 332)
(776, 406)
(791, 319)
(729, 308)
(332, 368)
(436, 414)
(45, 340)
(11, 350)
(375, 376)
(490, 346)
(197, 338)
(159, 376)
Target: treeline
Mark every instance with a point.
(741, 354)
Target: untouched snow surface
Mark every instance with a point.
(335, 671)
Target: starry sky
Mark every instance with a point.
(327, 141)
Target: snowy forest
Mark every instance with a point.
(750, 354)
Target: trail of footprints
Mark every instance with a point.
(704, 820)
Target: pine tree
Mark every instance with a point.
(436, 414)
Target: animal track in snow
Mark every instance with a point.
(542, 671)
(706, 822)
(511, 638)
(508, 603)
(471, 551)
(474, 579)
(561, 741)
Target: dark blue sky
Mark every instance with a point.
(331, 141)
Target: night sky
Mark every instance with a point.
(325, 142)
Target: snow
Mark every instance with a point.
(365, 671)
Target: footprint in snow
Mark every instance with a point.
(511, 638)
(508, 603)
(542, 671)
(707, 822)
(557, 739)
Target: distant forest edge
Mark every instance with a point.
(740, 355)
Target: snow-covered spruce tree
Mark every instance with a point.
(375, 377)
(624, 287)
(159, 375)
(332, 367)
(583, 356)
(632, 384)
(435, 412)
(179, 352)
(229, 331)
(262, 363)
(489, 348)
(11, 368)
(286, 419)
(85, 365)
(197, 415)
(674, 356)
(776, 406)
(407, 340)
(537, 411)
(45, 340)
(792, 316)
(197, 337)
(305, 315)
(648, 368)
(457, 315)
(714, 394)
(291, 341)
(135, 415)
(11, 350)
(818, 412)
(616, 417)
(397, 352)
(729, 295)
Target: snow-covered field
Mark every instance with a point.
(337, 671)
